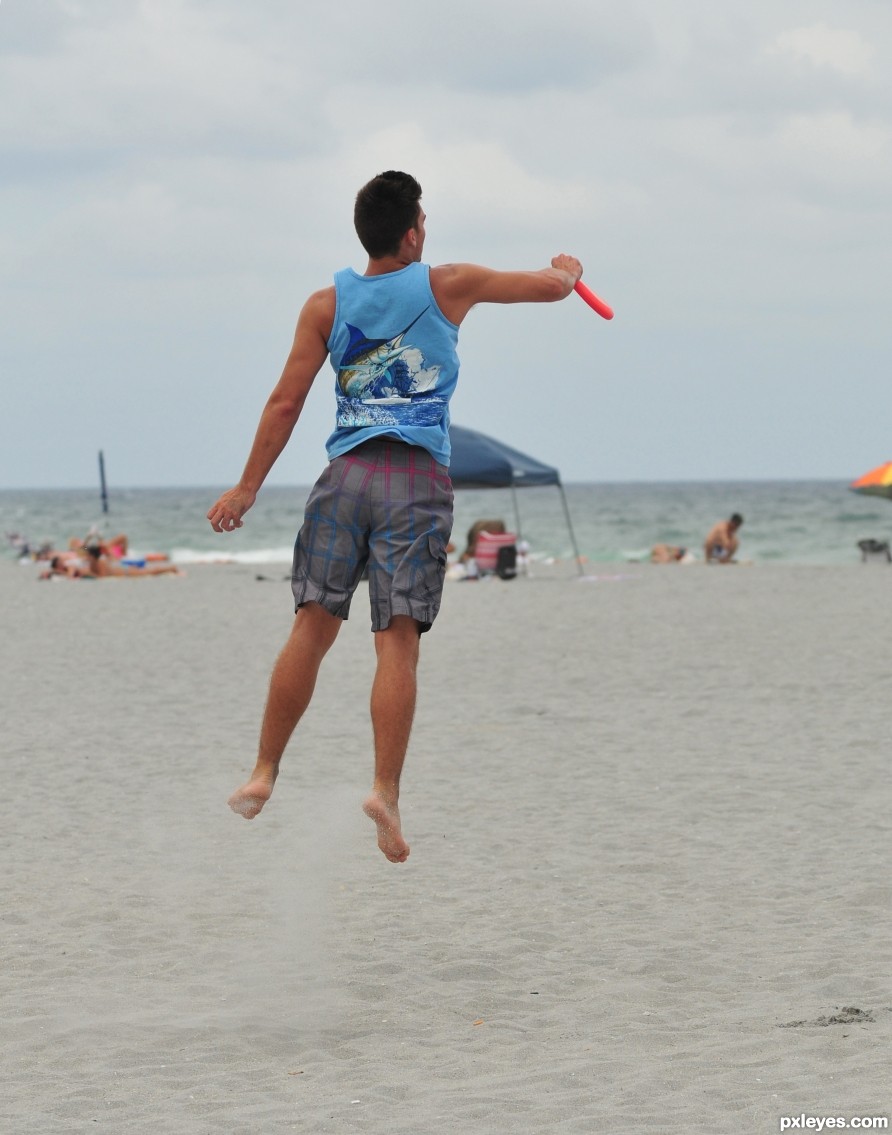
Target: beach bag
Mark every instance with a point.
(506, 561)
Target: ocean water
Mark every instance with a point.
(795, 522)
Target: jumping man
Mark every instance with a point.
(384, 502)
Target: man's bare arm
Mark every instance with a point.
(458, 287)
(282, 410)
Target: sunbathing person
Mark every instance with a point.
(66, 565)
(102, 566)
(670, 554)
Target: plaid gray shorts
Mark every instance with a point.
(386, 506)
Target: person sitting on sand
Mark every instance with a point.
(495, 526)
(721, 544)
(116, 547)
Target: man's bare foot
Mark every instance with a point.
(250, 798)
(387, 821)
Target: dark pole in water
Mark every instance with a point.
(102, 482)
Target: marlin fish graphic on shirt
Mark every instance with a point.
(386, 381)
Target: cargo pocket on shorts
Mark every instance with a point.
(437, 547)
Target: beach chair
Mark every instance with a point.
(497, 552)
(874, 550)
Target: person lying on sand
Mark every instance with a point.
(671, 554)
(102, 566)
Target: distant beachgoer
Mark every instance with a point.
(385, 499)
(101, 566)
(670, 554)
(721, 544)
(117, 546)
(19, 544)
(25, 550)
(66, 565)
(495, 526)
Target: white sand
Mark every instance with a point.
(650, 825)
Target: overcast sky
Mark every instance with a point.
(178, 175)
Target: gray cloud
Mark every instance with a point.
(177, 176)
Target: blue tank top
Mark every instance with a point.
(395, 361)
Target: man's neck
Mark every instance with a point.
(386, 265)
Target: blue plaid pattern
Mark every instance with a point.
(385, 506)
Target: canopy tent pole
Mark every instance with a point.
(570, 529)
(516, 510)
(517, 530)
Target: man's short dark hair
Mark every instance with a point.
(737, 519)
(386, 208)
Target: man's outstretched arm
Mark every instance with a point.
(282, 410)
(458, 287)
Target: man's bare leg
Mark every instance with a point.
(290, 689)
(393, 708)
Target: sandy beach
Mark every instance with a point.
(648, 890)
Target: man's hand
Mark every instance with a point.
(568, 264)
(226, 515)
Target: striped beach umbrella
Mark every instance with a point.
(876, 483)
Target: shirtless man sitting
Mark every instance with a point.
(721, 544)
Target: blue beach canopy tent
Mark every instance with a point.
(481, 462)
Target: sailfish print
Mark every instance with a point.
(367, 362)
